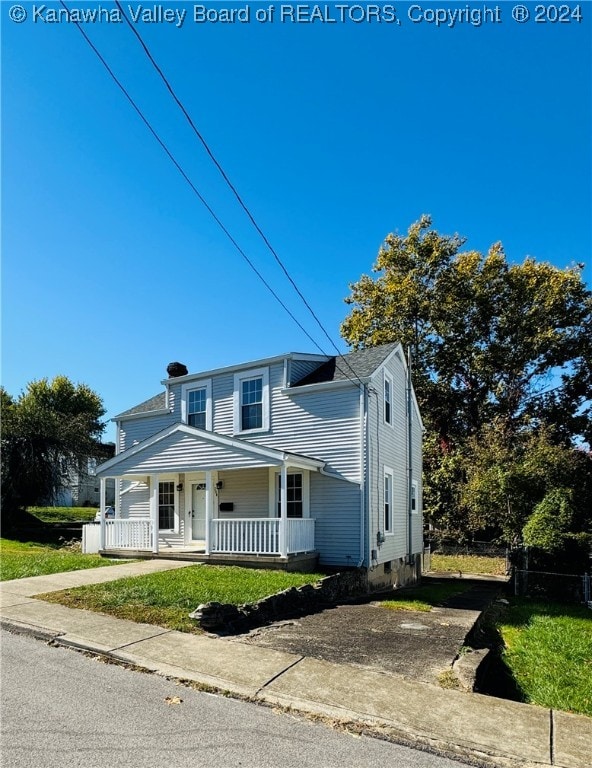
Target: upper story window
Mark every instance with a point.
(196, 404)
(91, 466)
(251, 401)
(414, 495)
(388, 399)
(196, 407)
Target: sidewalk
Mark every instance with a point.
(496, 731)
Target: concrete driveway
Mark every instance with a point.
(415, 644)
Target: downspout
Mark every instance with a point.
(409, 460)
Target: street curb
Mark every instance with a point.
(341, 718)
(29, 630)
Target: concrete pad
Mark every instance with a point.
(572, 742)
(91, 630)
(471, 721)
(210, 661)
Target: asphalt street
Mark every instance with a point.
(64, 709)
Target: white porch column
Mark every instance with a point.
(284, 511)
(154, 511)
(209, 510)
(102, 488)
(118, 497)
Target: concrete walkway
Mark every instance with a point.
(494, 731)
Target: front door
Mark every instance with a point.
(198, 512)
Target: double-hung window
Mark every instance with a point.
(251, 401)
(294, 495)
(196, 408)
(414, 499)
(196, 404)
(388, 400)
(388, 500)
(251, 404)
(166, 505)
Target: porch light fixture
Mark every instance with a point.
(180, 487)
(219, 485)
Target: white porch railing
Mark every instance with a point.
(257, 536)
(300, 535)
(261, 536)
(128, 534)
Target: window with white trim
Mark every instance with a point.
(294, 495)
(388, 501)
(388, 399)
(414, 497)
(166, 505)
(196, 404)
(196, 407)
(251, 401)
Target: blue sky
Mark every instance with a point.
(335, 134)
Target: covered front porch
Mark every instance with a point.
(229, 499)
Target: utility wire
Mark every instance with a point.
(197, 192)
(230, 185)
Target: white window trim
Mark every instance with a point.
(389, 378)
(254, 373)
(388, 471)
(415, 486)
(274, 473)
(186, 388)
(174, 479)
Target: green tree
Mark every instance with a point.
(49, 430)
(493, 343)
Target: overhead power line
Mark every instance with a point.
(199, 195)
(227, 180)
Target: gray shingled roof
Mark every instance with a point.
(362, 362)
(156, 403)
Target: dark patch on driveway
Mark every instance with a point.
(416, 644)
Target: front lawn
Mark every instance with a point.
(167, 598)
(21, 559)
(478, 564)
(548, 649)
(63, 514)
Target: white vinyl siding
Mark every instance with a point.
(134, 431)
(335, 507)
(247, 490)
(388, 448)
(182, 452)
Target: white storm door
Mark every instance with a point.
(198, 512)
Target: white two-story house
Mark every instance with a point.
(290, 461)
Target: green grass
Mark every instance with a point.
(549, 652)
(481, 564)
(63, 514)
(21, 559)
(424, 597)
(167, 598)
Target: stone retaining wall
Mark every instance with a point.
(294, 601)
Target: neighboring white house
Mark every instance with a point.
(80, 485)
(277, 461)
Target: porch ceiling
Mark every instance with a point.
(181, 448)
